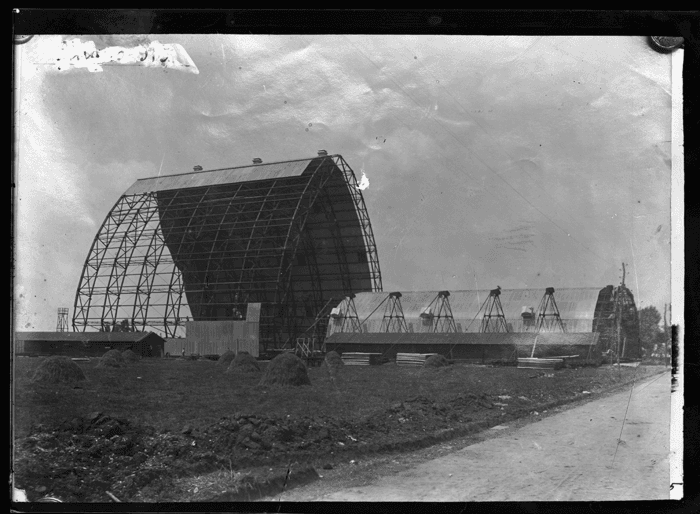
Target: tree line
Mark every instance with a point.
(655, 337)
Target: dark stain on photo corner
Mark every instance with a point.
(665, 44)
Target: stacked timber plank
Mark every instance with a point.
(412, 359)
(361, 359)
(534, 363)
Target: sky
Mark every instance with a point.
(515, 161)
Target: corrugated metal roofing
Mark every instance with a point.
(220, 176)
(510, 338)
(115, 337)
(573, 303)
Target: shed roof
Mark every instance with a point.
(220, 176)
(107, 337)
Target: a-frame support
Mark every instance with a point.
(494, 320)
(439, 314)
(393, 320)
(351, 321)
(548, 318)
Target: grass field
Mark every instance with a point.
(190, 416)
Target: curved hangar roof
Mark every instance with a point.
(221, 176)
(289, 235)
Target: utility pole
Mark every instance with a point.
(618, 311)
(623, 274)
(619, 326)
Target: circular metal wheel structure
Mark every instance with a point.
(293, 236)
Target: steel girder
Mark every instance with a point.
(129, 274)
(290, 243)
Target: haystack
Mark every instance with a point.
(244, 363)
(58, 369)
(112, 359)
(286, 369)
(436, 361)
(131, 356)
(226, 358)
(334, 361)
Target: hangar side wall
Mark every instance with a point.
(582, 348)
(216, 337)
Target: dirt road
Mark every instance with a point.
(574, 455)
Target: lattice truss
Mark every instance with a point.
(494, 319)
(438, 314)
(345, 316)
(548, 317)
(291, 243)
(393, 319)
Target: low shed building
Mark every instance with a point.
(88, 344)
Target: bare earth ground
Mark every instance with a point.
(163, 430)
(573, 455)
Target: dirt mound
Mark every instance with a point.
(58, 369)
(226, 358)
(131, 356)
(286, 369)
(436, 361)
(334, 361)
(244, 363)
(112, 359)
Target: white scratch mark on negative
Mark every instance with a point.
(364, 181)
(74, 53)
(161, 164)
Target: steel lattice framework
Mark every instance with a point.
(290, 235)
